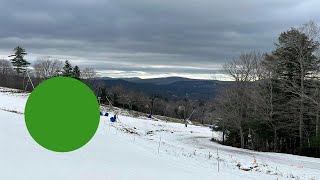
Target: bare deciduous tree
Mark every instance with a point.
(243, 71)
(6, 69)
(46, 67)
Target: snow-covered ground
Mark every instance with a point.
(137, 148)
(12, 100)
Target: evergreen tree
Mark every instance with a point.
(295, 63)
(295, 55)
(67, 69)
(76, 72)
(18, 61)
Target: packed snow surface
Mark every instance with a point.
(137, 148)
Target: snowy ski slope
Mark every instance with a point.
(137, 148)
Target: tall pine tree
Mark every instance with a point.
(76, 72)
(295, 55)
(295, 62)
(67, 69)
(18, 61)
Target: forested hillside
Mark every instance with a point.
(274, 103)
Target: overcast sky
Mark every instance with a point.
(149, 38)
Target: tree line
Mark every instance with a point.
(179, 108)
(15, 72)
(274, 103)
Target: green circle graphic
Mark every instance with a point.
(62, 114)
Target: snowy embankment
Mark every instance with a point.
(12, 100)
(137, 148)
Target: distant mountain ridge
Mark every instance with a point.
(169, 87)
(166, 80)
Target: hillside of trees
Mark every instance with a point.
(191, 89)
(274, 103)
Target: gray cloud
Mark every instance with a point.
(150, 37)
